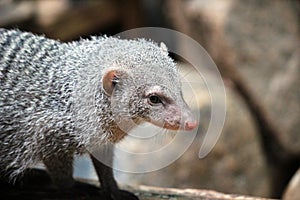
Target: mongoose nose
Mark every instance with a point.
(190, 125)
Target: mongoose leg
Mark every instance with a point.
(60, 169)
(105, 175)
(56, 98)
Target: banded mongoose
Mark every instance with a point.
(59, 99)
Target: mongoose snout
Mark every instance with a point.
(60, 99)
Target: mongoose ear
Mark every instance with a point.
(163, 48)
(109, 80)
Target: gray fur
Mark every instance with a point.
(52, 104)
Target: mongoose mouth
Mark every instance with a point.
(171, 127)
(188, 126)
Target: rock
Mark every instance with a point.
(292, 192)
(261, 40)
(255, 37)
(233, 166)
(265, 38)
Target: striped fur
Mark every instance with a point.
(52, 103)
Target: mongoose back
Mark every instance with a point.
(57, 99)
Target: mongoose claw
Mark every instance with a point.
(122, 195)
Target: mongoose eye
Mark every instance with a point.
(154, 99)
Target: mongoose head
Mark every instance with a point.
(144, 85)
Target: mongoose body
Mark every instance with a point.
(58, 99)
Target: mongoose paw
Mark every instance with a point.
(121, 195)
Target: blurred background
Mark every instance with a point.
(255, 45)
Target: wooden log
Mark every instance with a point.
(36, 184)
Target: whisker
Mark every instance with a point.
(164, 137)
(186, 74)
(191, 99)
